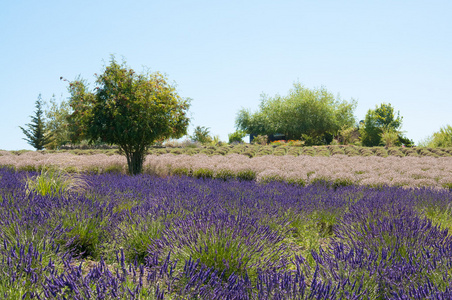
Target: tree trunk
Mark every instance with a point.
(135, 162)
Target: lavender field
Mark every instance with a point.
(366, 170)
(113, 236)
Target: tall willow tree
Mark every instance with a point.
(129, 110)
(312, 113)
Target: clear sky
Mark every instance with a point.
(224, 54)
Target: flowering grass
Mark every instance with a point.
(179, 237)
(51, 181)
(304, 169)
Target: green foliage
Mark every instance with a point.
(442, 138)
(225, 174)
(370, 132)
(54, 182)
(351, 151)
(315, 113)
(447, 185)
(385, 117)
(246, 175)
(57, 123)
(138, 236)
(86, 234)
(253, 123)
(346, 134)
(129, 110)
(381, 119)
(389, 137)
(236, 136)
(271, 178)
(201, 135)
(260, 140)
(36, 134)
(203, 173)
(296, 181)
(405, 141)
(180, 172)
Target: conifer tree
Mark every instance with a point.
(35, 134)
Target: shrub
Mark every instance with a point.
(201, 135)
(114, 168)
(279, 151)
(236, 137)
(180, 172)
(351, 151)
(192, 151)
(138, 236)
(322, 151)
(260, 140)
(427, 152)
(225, 174)
(340, 182)
(246, 175)
(323, 181)
(293, 151)
(296, 181)
(380, 151)
(248, 153)
(395, 152)
(346, 135)
(271, 178)
(203, 173)
(335, 150)
(54, 182)
(389, 137)
(365, 151)
(176, 151)
(447, 185)
(162, 151)
(308, 151)
(207, 151)
(296, 143)
(85, 236)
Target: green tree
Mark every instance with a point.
(382, 118)
(81, 102)
(129, 110)
(57, 123)
(36, 133)
(386, 117)
(346, 135)
(236, 137)
(442, 138)
(313, 113)
(389, 137)
(201, 135)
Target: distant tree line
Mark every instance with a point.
(126, 109)
(133, 111)
(316, 117)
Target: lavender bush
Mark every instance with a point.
(409, 171)
(148, 237)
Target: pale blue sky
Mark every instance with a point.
(224, 54)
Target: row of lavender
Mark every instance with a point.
(147, 237)
(370, 170)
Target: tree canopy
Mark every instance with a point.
(382, 119)
(314, 113)
(127, 109)
(36, 133)
(57, 123)
(201, 134)
(442, 138)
